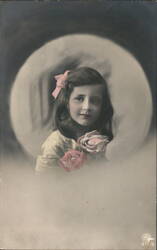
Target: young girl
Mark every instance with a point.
(82, 116)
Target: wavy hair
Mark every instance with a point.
(61, 118)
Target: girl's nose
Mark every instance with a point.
(86, 104)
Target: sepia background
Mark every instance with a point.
(108, 206)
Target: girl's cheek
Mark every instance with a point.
(97, 107)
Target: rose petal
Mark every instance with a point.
(94, 141)
(73, 159)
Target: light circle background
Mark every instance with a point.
(129, 89)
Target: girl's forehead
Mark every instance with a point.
(96, 89)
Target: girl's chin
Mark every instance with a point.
(85, 123)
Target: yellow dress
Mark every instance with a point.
(53, 149)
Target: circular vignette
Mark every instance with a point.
(129, 89)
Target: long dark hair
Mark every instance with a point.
(61, 118)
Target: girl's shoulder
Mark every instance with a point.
(55, 138)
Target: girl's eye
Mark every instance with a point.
(79, 98)
(96, 100)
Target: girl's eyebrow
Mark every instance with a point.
(80, 95)
(96, 96)
(93, 96)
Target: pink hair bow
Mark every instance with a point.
(60, 83)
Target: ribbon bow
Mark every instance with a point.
(60, 83)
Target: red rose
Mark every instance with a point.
(73, 159)
(93, 142)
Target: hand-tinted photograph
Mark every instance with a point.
(78, 124)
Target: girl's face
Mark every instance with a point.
(85, 104)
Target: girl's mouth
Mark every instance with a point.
(85, 116)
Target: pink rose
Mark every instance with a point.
(73, 159)
(93, 142)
